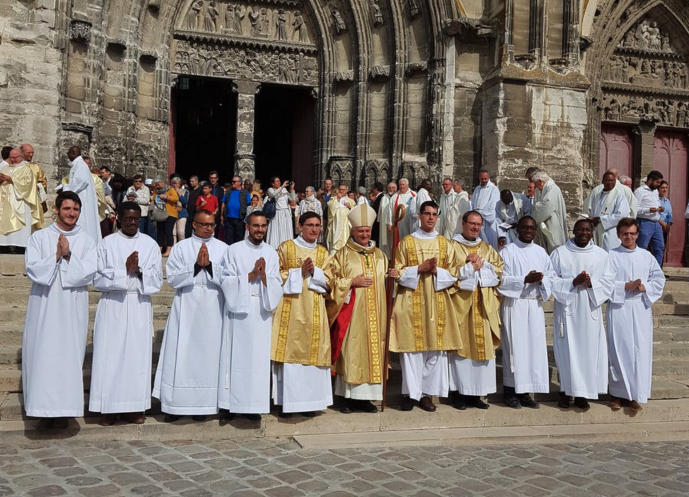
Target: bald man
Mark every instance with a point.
(41, 180)
(19, 202)
(628, 192)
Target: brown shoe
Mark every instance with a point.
(107, 419)
(426, 404)
(134, 417)
(633, 405)
(615, 404)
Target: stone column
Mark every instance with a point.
(244, 158)
(644, 145)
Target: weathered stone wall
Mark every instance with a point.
(416, 88)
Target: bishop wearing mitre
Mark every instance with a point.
(357, 313)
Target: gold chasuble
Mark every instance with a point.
(361, 357)
(478, 312)
(14, 198)
(301, 334)
(424, 319)
(40, 180)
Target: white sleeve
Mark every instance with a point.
(443, 280)
(410, 277)
(317, 282)
(294, 283)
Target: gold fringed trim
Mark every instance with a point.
(317, 299)
(479, 331)
(440, 296)
(372, 315)
(286, 307)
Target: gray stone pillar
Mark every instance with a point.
(645, 131)
(244, 158)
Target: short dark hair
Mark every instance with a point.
(5, 153)
(104, 167)
(428, 203)
(62, 196)
(663, 183)
(255, 214)
(379, 186)
(308, 215)
(465, 217)
(526, 218)
(205, 212)
(128, 205)
(137, 177)
(212, 173)
(626, 223)
(583, 221)
(654, 175)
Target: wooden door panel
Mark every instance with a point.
(671, 158)
(616, 150)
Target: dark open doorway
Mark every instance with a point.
(205, 127)
(284, 134)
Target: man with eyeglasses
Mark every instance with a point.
(19, 202)
(234, 204)
(141, 195)
(472, 368)
(424, 328)
(527, 282)
(186, 381)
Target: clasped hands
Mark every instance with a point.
(259, 271)
(132, 263)
(476, 261)
(582, 279)
(63, 250)
(533, 277)
(637, 285)
(203, 258)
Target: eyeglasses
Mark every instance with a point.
(236, 181)
(205, 225)
(431, 214)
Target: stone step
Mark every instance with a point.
(19, 297)
(659, 420)
(11, 356)
(17, 315)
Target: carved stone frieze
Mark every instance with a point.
(80, 30)
(338, 19)
(647, 36)
(416, 67)
(344, 76)
(376, 170)
(341, 169)
(635, 108)
(265, 64)
(377, 13)
(414, 10)
(258, 19)
(647, 71)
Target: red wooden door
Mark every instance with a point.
(616, 147)
(670, 154)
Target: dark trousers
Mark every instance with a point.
(164, 231)
(188, 227)
(234, 230)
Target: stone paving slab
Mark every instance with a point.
(277, 467)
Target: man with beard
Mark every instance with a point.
(194, 193)
(357, 315)
(300, 349)
(605, 209)
(639, 283)
(484, 201)
(60, 262)
(526, 283)
(477, 304)
(584, 280)
(129, 272)
(252, 289)
(424, 327)
(650, 231)
(80, 182)
(186, 381)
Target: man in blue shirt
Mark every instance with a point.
(665, 216)
(234, 204)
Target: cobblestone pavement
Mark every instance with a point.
(280, 468)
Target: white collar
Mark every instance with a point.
(470, 243)
(419, 233)
(127, 237)
(304, 244)
(252, 246)
(72, 232)
(199, 239)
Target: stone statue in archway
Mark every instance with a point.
(654, 40)
(281, 25)
(210, 18)
(233, 18)
(190, 22)
(339, 20)
(377, 13)
(299, 26)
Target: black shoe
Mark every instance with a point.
(479, 404)
(309, 414)
(365, 406)
(285, 415)
(512, 402)
(563, 403)
(346, 407)
(45, 424)
(171, 418)
(252, 417)
(227, 416)
(582, 403)
(460, 402)
(60, 423)
(407, 404)
(526, 401)
(198, 418)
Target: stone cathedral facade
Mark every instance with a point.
(362, 90)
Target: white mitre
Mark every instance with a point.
(362, 215)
